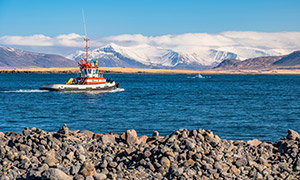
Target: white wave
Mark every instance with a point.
(199, 77)
(117, 90)
(25, 91)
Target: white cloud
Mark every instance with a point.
(246, 44)
(35, 40)
(68, 40)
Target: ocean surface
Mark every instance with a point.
(232, 106)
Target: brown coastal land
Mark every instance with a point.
(126, 70)
(183, 154)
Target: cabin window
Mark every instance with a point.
(96, 71)
(89, 71)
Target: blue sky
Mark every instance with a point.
(149, 17)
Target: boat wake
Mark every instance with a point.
(95, 92)
(41, 91)
(117, 90)
(25, 91)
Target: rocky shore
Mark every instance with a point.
(195, 154)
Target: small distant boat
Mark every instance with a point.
(200, 76)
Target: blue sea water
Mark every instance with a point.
(233, 106)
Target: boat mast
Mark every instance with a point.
(86, 48)
(85, 38)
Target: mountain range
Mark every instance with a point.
(170, 51)
(15, 58)
(290, 61)
(146, 56)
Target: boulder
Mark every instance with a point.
(293, 135)
(234, 170)
(254, 142)
(50, 159)
(99, 176)
(87, 133)
(165, 162)
(108, 138)
(130, 137)
(74, 169)
(87, 169)
(143, 139)
(24, 147)
(97, 135)
(155, 133)
(26, 131)
(55, 174)
(33, 175)
(241, 162)
(64, 130)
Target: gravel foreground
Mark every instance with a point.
(195, 154)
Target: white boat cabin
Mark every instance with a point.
(89, 72)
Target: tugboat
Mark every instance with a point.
(89, 79)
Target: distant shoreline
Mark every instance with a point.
(125, 70)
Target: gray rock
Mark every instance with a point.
(87, 169)
(130, 136)
(151, 167)
(34, 174)
(108, 138)
(50, 159)
(55, 174)
(103, 164)
(241, 162)
(155, 133)
(43, 167)
(165, 162)
(81, 158)
(222, 167)
(293, 135)
(234, 170)
(297, 165)
(87, 133)
(64, 130)
(74, 169)
(4, 178)
(254, 142)
(112, 164)
(78, 177)
(99, 176)
(89, 178)
(11, 156)
(147, 153)
(26, 131)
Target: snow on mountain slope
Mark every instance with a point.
(139, 56)
(154, 57)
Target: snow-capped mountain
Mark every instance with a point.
(179, 51)
(146, 56)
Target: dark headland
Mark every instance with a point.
(195, 154)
